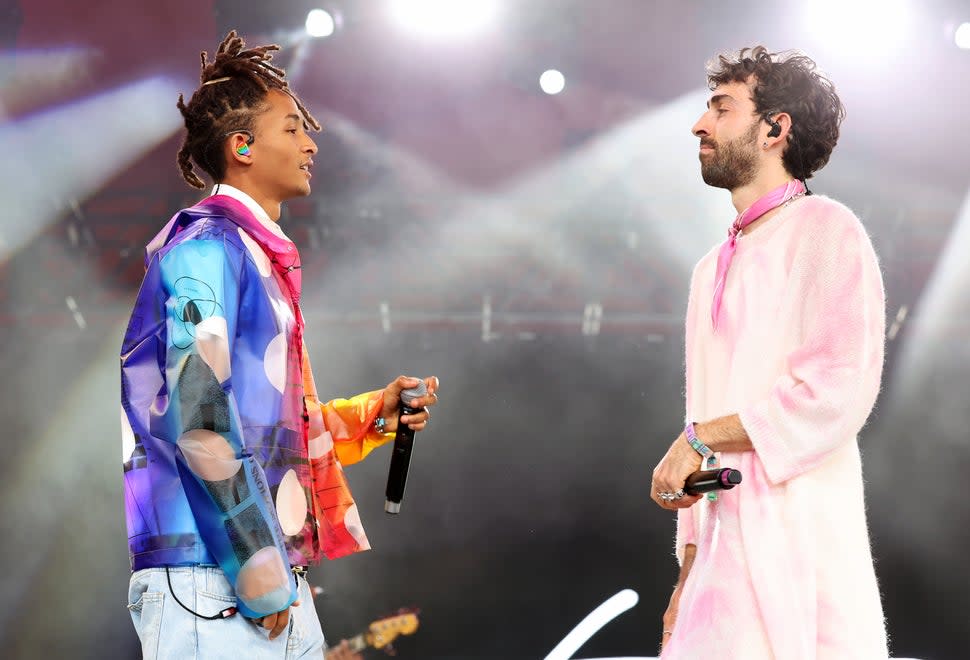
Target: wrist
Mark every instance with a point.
(380, 425)
(708, 457)
(703, 436)
(697, 443)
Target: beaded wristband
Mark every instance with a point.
(706, 453)
(379, 425)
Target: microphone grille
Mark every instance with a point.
(409, 395)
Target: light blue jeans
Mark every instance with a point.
(168, 632)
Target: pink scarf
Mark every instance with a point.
(767, 202)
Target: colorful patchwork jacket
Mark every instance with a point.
(230, 458)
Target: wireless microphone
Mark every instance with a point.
(704, 481)
(397, 475)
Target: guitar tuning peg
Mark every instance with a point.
(390, 650)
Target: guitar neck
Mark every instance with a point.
(358, 643)
(382, 632)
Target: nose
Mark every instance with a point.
(700, 128)
(310, 147)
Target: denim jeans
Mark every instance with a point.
(168, 632)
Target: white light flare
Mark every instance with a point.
(612, 608)
(962, 36)
(319, 23)
(552, 81)
(445, 18)
(836, 24)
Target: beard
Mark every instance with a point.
(732, 164)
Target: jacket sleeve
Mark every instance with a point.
(226, 487)
(351, 425)
(832, 376)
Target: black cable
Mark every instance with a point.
(224, 614)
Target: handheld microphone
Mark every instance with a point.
(704, 481)
(397, 475)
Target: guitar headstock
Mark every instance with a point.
(384, 631)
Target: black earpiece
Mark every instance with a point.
(775, 127)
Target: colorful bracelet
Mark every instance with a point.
(707, 454)
(379, 425)
(698, 446)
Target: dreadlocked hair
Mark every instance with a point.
(788, 82)
(231, 95)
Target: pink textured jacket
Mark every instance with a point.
(783, 567)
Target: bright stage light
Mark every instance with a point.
(962, 36)
(552, 81)
(319, 23)
(838, 23)
(444, 17)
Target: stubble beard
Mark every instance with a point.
(733, 164)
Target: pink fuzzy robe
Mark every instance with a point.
(783, 567)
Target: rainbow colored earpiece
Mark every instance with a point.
(243, 150)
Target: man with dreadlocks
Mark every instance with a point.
(233, 478)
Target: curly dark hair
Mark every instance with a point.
(231, 95)
(788, 82)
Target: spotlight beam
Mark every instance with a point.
(70, 152)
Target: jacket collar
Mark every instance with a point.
(281, 250)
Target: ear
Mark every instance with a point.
(241, 152)
(775, 135)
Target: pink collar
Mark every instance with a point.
(773, 199)
(282, 252)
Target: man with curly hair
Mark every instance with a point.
(784, 352)
(233, 477)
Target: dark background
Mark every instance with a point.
(532, 251)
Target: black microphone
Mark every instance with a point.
(397, 475)
(704, 481)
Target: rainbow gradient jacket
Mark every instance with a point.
(230, 458)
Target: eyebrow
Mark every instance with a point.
(718, 98)
(294, 117)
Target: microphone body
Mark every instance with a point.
(704, 481)
(397, 474)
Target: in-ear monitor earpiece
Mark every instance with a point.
(775, 127)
